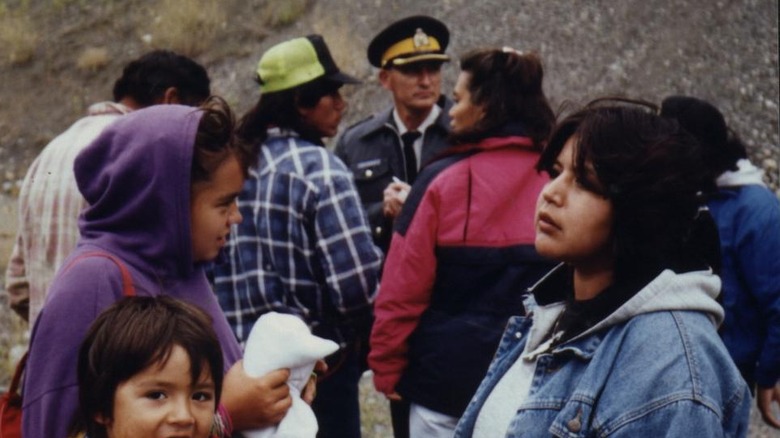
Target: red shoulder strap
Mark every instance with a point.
(17, 379)
(128, 289)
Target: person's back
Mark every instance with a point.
(462, 250)
(49, 207)
(49, 201)
(747, 215)
(303, 247)
(748, 219)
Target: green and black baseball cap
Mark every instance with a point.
(296, 62)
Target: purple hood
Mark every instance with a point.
(136, 179)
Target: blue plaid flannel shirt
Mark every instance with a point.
(304, 246)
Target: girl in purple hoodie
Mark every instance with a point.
(161, 185)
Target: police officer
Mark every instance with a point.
(386, 151)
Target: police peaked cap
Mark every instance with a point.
(412, 39)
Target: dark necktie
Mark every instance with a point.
(411, 159)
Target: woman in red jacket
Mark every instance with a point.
(462, 252)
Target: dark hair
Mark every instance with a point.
(721, 147)
(281, 109)
(508, 85)
(215, 141)
(649, 169)
(147, 78)
(131, 335)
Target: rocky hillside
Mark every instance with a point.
(70, 51)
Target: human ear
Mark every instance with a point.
(171, 96)
(384, 78)
(303, 112)
(102, 419)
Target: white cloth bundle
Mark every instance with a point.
(277, 341)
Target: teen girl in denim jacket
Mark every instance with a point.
(621, 338)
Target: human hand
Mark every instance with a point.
(764, 399)
(394, 197)
(310, 390)
(255, 402)
(394, 397)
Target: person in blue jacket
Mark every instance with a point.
(619, 340)
(748, 219)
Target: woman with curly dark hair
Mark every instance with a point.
(462, 250)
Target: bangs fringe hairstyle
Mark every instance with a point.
(131, 335)
(281, 109)
(650, 170)
(508, 86)
(215, 141)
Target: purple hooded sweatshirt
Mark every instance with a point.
(136, 178)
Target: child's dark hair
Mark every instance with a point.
(281, 109)
(147, 78)
(650, 170)
(215, 141)
(131, 335)
(508, 85)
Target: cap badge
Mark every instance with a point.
(420, 40)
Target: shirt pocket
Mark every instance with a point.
(371, 178)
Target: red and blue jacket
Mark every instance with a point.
(461, 258)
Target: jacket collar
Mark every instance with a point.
(668, 291)
(384, 120)
(746, 174)
(487, 144)
(102, 108)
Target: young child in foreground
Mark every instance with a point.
(149, 366)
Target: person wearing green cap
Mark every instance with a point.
(304, 246)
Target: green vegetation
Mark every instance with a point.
(18, 36)
(187, 26)
(284, 12)
(93, 59)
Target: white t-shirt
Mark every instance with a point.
(509, 393)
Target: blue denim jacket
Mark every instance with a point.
(655, 367)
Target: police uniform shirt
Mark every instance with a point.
(418, 144)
